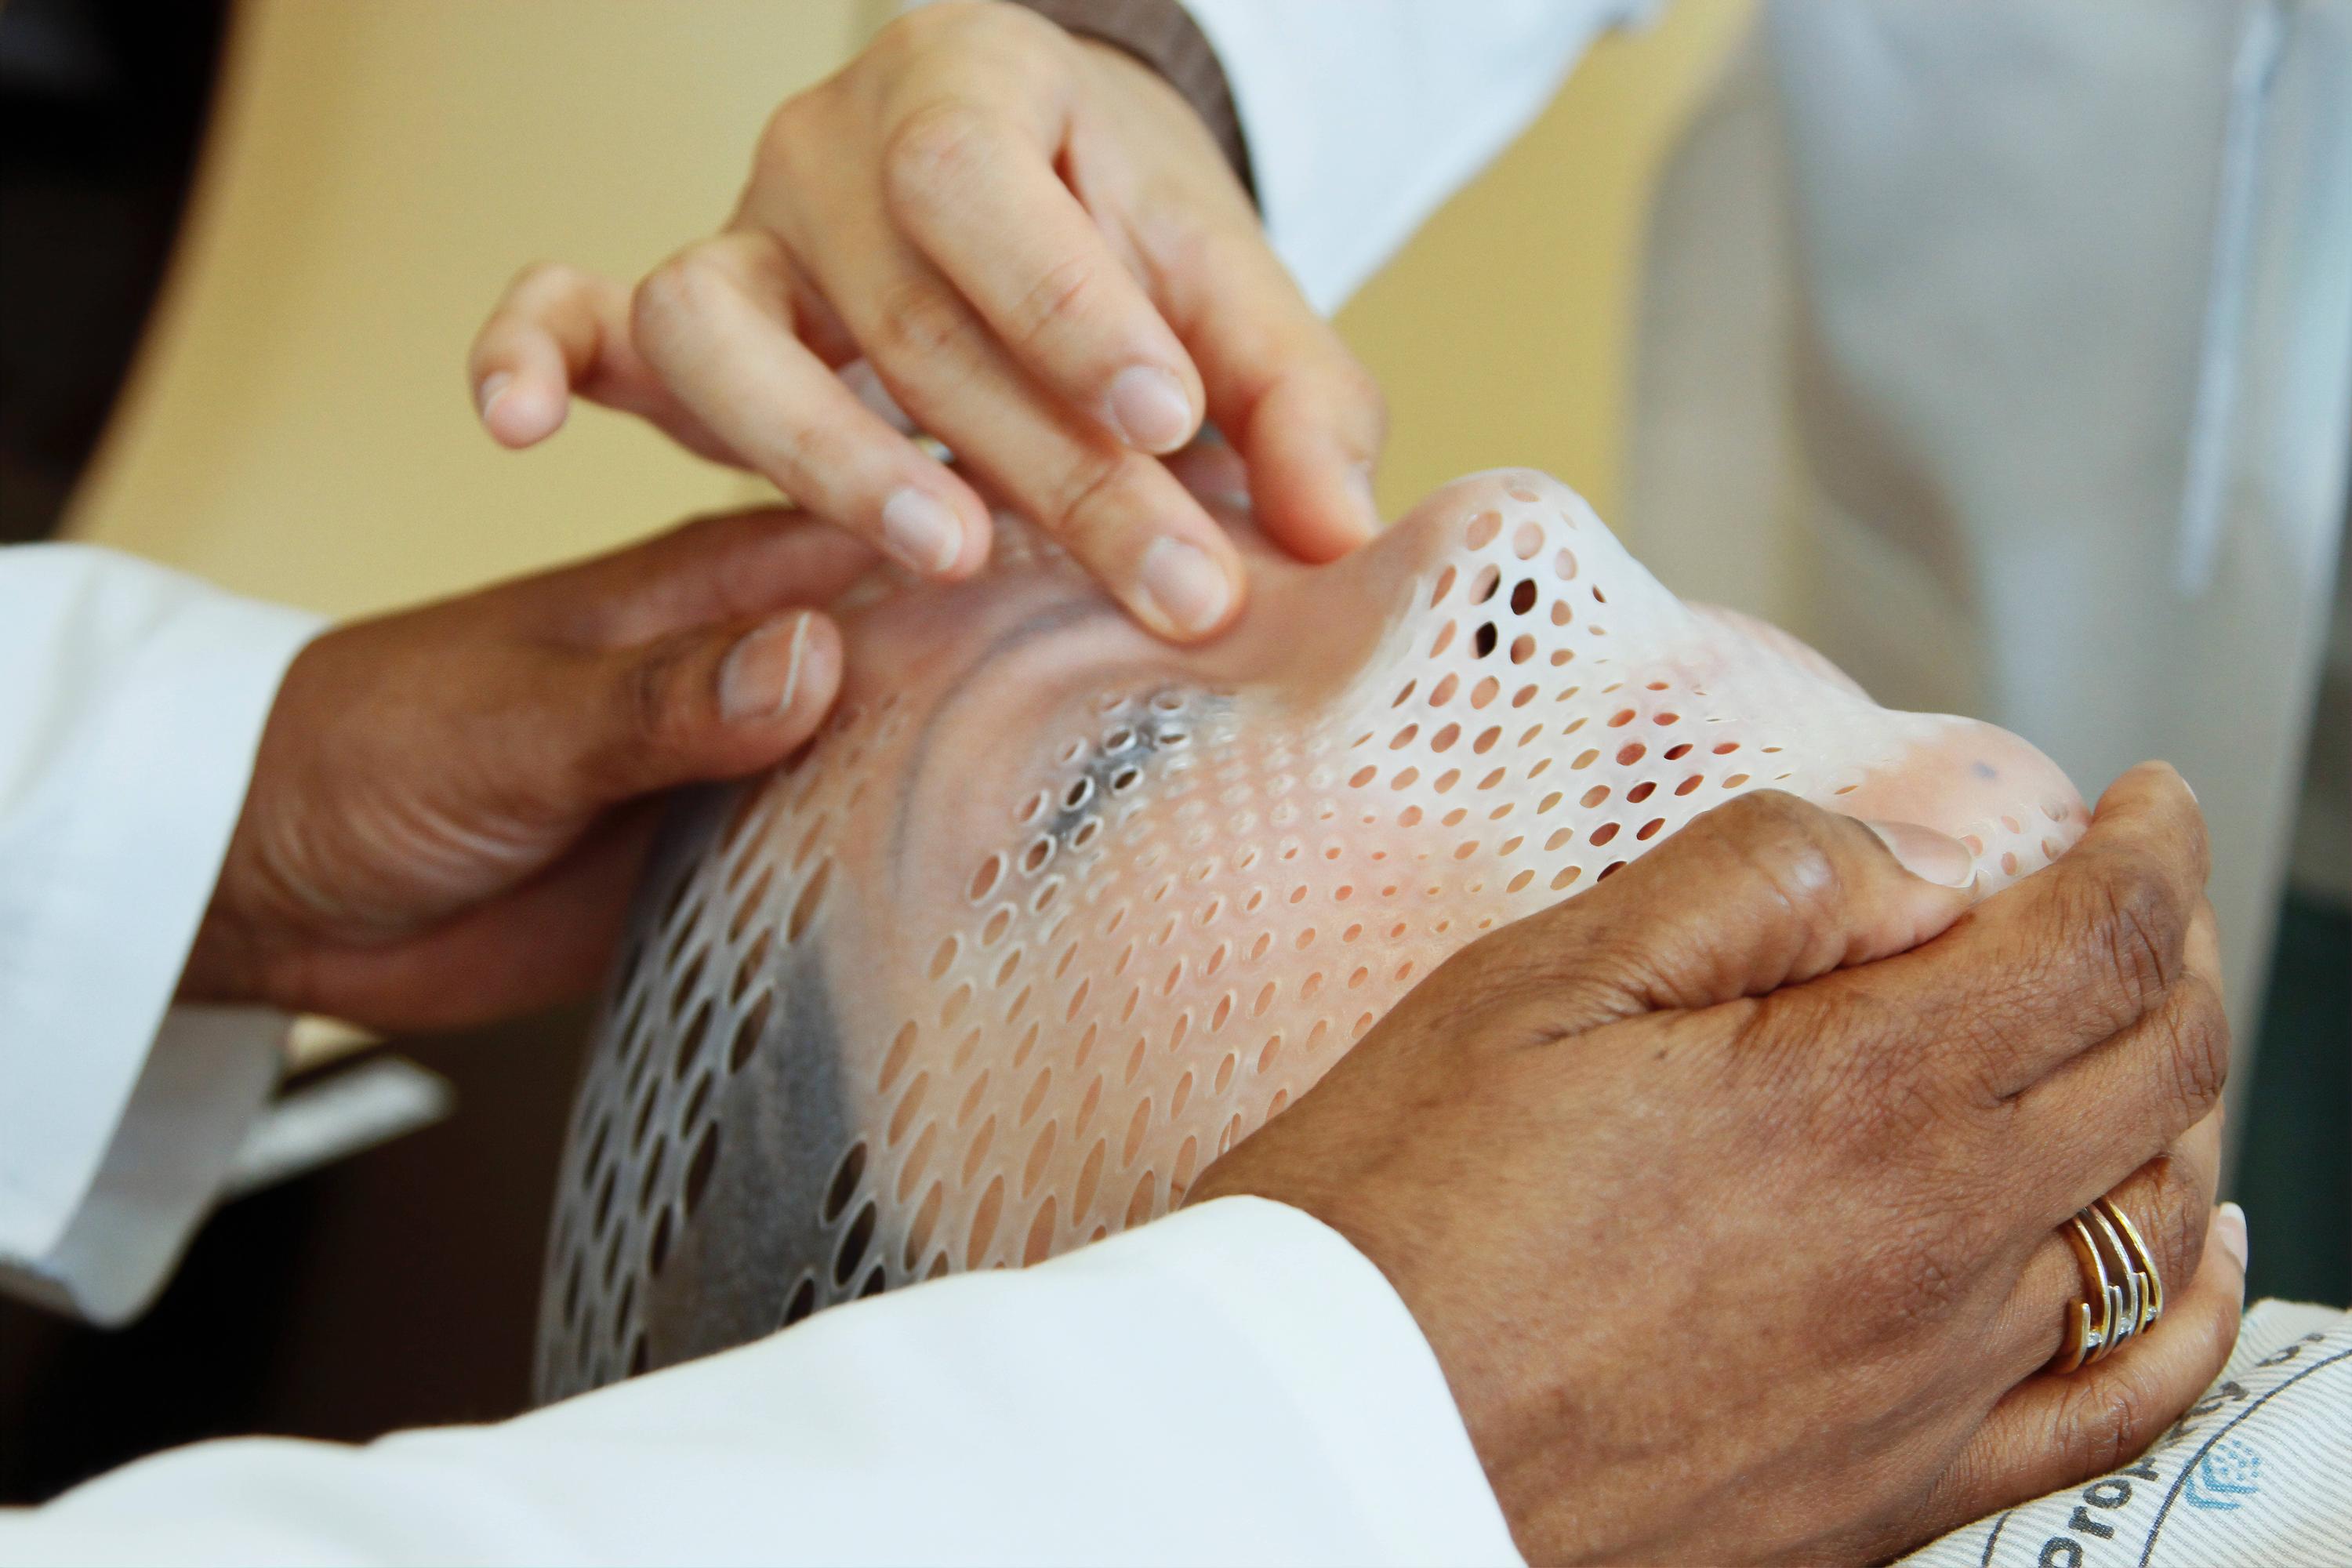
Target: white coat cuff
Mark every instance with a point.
(124, 759)
(209, 1075)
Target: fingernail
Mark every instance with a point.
(1933, 857)
(920, 532)
(2230, 1230)
(1360, 481)
(1149, 408)
(762, 673)
(487, 393)
(1187, 588)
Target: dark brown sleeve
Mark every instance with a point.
(1163, 35)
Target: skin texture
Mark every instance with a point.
(1041, 254)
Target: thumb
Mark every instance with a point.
(1764, 891)
(711, 702)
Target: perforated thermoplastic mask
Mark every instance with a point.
(1051, 913)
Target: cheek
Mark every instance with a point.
(1060, 1057)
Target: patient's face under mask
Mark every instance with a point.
(1052, 912)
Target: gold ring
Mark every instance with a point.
(2126, 1293)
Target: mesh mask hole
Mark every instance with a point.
(853, 1244)
(984, 1223)
(689, 1042)
(697, 1171)
(805, 907)
(749, 1033)
(846, 1177)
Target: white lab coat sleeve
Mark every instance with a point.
(1234, 1383)
(132, 701)
(1363, 118)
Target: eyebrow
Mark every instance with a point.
(1054, 619)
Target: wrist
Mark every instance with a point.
(1162, 36)
(224, 962)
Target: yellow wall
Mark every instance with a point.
(298, 427)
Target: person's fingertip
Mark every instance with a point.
(1368, 506)
(486, 395)
(2230, 1235)
(921, 532)
(1319, 505)
(1148, 408)
(782, 667)
(520, 413)
(1932, 856)
(1181, 590)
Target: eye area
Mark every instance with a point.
(1126, 744)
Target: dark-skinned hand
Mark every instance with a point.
(1726, 1193)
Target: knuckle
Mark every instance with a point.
(2175, 1220)
(649, 717)
(671, 296)
(1764, 814)
(1063, 297)
(1096, 499)
(926, 22)
(2134, 927)
(540, 279)
(933, 151)
(2197, 1046)
(2105, 1419)
(785, 134)
(709, 535)
(1507, 975)
(917, 324)
(822, 453)
(1795, 851)
(1356, 387)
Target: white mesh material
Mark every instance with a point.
(1052, 913)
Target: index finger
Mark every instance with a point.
(2070, 957)
(980, 198)
(1305, 414)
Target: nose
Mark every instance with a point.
(1507, 579)
(1507, 619)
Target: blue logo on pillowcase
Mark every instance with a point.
(2228, 1473)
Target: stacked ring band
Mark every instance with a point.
(2126, 1293)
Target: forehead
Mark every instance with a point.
(1018, 946)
